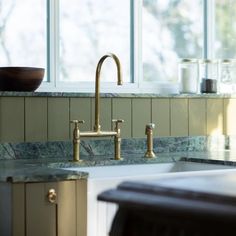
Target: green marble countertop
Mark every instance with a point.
(124, 95)
(44, 170)
(16, 171)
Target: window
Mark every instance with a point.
(23, 33)
(171, 30)
(88, 29)
(149, 37)
(225, 29)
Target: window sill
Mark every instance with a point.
(111, 95)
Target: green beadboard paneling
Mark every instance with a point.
(121, 109)
(230, 116)
(161, 116)
(12, 119)
(105, 113)
(47, 118)
(35, 119)
(58, 119)
(197, 117)
(179, 117)
(80, 109)
(141, 115)
(214, 116)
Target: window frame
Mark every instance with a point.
(208, 28)
(136, 85)
(53, 84)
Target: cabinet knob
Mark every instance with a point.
(52, 195)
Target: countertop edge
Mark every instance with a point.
(28, 171)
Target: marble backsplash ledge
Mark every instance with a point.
(90, 149)
(35, 150)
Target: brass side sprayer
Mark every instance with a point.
(149, 132)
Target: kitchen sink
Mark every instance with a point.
(138, 170)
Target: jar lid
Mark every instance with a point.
(227, 61)
(208, 61)
(188, 60)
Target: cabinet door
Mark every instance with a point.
(44, 218)
(18, 209)
(41, 215)
(66, 208)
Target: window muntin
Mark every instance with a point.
(23, 39)
(88, 30)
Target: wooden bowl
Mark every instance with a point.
(20, 78)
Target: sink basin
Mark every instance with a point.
(124, 171)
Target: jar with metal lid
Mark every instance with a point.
(188, 76)
(227, 75)
(208, 75)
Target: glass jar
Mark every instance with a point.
(227, 75)
(208, 70)
(188, 76)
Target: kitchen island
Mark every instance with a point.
(200, 205)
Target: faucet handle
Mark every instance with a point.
(77, 122)
(117, 122)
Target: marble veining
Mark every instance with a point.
(91, 149)
(41, 161)
(24, 171)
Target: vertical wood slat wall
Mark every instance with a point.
(48, 119)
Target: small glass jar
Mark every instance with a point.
(208, 75)
(188, 76)
(227, 75)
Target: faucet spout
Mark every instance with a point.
(97, 132)
(97, 126)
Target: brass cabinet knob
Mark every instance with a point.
(52, 195)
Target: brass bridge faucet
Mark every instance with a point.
(149, 132)
(97, 132)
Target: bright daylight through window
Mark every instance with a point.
(23, 33)
(148, 36)
(171, 30)
(89, 29)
